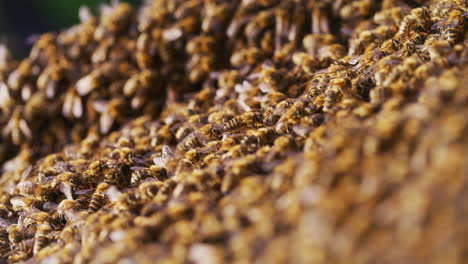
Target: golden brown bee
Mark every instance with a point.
(22, 74)
(41, 238)
(70, 233)
(246, 120)
(149, 189)
(17, 128)
(196, 154)
(72, 105)
(26, 188)
(17, 256)
(49, 80)
(15, 234)
(20, 203)
(35, 219)
(201, 44)
(26, 245)
(140, 173)
(6, 101)
(98, 198)
(337, 88)
(217, 14)
(455, 25)
(111, 112)
(167, 187)
(192, 140)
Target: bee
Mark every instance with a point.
(26, 188)
(70, 233)
(305, 62)
(17, 128)
(35, 219)
(454, 25)
(20, 203)
(191, 141)
(200, 45)
(26, 246)
(111, 112)
(17, 256)
(246, 120)
(255, 28)
(41, 238)
(95, 79)
(149, 189)
(72, 105)
(140, 173)
(6, 100)
(21, 75)
(247, 56)
(98, 198)
(167, 187)
(196, 154)
(331, 94)
(217, 15)
(48, 81)
(15, 234)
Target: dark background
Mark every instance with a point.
(20, 19)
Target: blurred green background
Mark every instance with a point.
(21, 19)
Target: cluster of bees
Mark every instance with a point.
(239, 131)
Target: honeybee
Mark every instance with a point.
(196, 154)
(111, 112)
(17, 128)
(455, 25)
(98, 198)
(246, 120)
(49, 80)
(25, 188)
(15, 234)
(20, 203)
(193, 140)
(35, 219)
(6, 101)
(143, 173)
(167, 187)
(149, 189)
(72, 105)
(17, 256)
(70, 233)
(255, 28)
(22, 74)
(41, 238)
(26, 246)
(337, 87)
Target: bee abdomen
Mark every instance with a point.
(96, 203)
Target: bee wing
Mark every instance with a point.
(7, 129)
(66, 189)
(51, 87)
(4, 223)
(106, 121)
(85, 85)
(67, 105)
(84, 191)
(25, 173)
(84, 13)
(172, 34)
(25, 128)
(77, 107)
(139, 161)
(113, 193)
(167, 154)
(100, 105)
(136, 168)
